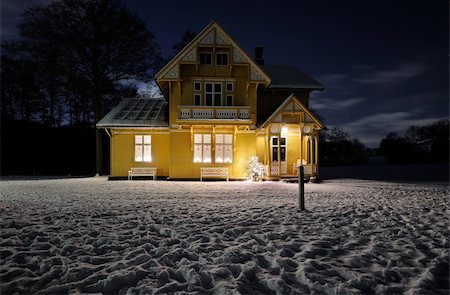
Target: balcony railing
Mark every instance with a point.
(209, 112)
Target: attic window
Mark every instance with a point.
(205, 58)
(221, 59)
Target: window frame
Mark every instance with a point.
(223, 146)
(202, 146)
(142, 146)
(217, 59)
(213, 93)
(199, 99)
(210, 58)
(226, 100)
(226, 86)
(197, 83)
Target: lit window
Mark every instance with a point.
(197, 86)
(224, 148)
(213, 93)
(142, 148)
(202, 148)
(197, 99)
(221, 59)
(205, 58)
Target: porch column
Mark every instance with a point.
(279, 153)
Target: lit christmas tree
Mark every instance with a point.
(256, 170)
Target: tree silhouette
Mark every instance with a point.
(85, 47)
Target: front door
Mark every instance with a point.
(278, 155)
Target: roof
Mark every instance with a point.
(290, 77)
(137, 112)
(292, 103)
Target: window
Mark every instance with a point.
(221, 59)
(202, 148)
(213, 93)
(197, 86)
(197, 100)
(230, 86)
(224, 148)
(229, 100)
(142, 148)
(278, 145)
(205, 58)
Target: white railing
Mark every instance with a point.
(207, 112)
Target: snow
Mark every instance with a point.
(133, 237)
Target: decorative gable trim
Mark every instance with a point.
(292, 104)
(212, 34)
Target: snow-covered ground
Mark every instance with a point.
(94, 235)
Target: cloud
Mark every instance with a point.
(333, 104)
(371, 129)
(403, 72)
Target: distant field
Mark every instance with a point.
(91, 235)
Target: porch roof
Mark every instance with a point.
(137, 112)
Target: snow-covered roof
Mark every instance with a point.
(136, 112)
(290, 77)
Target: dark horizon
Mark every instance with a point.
(384, 65)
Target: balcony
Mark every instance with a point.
(214, 113)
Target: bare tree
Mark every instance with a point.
(93, 44)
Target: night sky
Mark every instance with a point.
(384, 63)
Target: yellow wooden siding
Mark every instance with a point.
(122, 152)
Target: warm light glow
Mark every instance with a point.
(219, 160)
(197, 160)
(284, 130)
(228, 160)
(207, 160)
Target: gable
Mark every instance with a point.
(292, 105)
(212, 35)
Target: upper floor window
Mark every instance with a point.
(213, 93)
(230, 86)
(197, 99)
(197, 86)
(205, 58)
(142, 148)
(221, 59)
(229, 100)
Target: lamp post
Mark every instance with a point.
(301, 188)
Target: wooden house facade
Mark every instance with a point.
(220, 108)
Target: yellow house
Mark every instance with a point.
(220, 108)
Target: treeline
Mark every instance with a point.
(337, 148)
(73, 62)
(419, 144)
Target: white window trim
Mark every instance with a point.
(228, 59)
(226, 86)
(193, 85)
(226, 100)
(213, 93)
(142, 145)
(223, 145)
(202, 144)
(193, 98)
